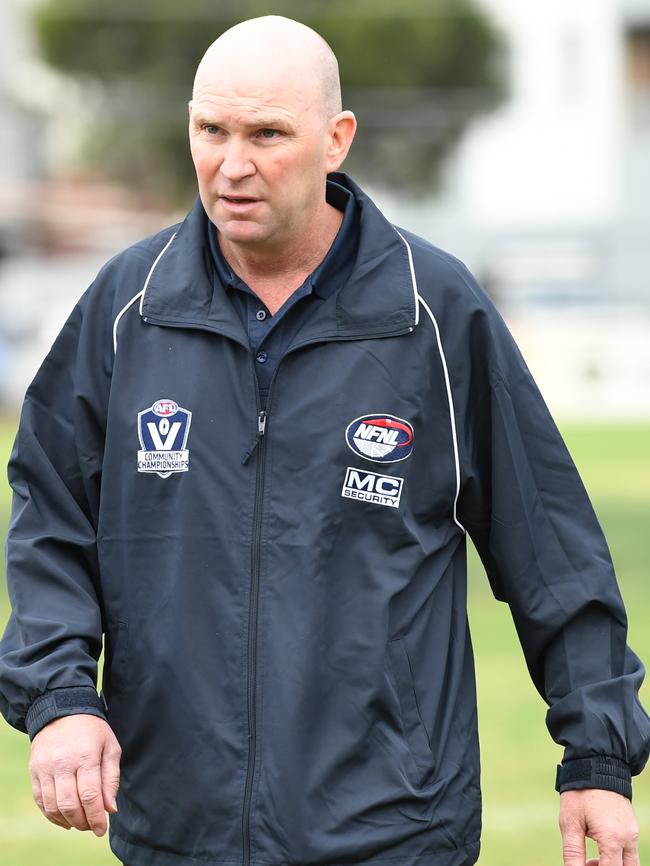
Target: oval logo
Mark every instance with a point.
(164, 408)
(380, 438)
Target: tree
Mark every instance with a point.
(415, 73)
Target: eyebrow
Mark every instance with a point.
(262, 122)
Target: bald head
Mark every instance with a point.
(274, 46)
(265, 130)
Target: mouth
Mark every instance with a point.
(238, 201)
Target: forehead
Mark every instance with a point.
(250, 93)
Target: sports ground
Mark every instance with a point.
(518, 756)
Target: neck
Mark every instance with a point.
(296, 258)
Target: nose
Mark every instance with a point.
(236, 163)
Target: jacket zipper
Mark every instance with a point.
(251, 680)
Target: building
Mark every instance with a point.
(548, 200)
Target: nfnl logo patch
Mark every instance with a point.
(163, 430)
(380, 438)
(372, 487)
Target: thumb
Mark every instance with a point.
(573, 847)
(110, 769)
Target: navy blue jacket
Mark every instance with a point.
(283, 593)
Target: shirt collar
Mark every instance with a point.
(334, 269)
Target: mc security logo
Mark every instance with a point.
(380, 438)
(163, 430)
(372, 487)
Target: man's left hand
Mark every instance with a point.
(605, 817)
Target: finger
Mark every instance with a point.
(631, 855)
(110, 769)
(573, 848)
(611, 853)
(67, 800)
(37, 793)
(48, 798)
(89, 789)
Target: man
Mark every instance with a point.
(250, 461)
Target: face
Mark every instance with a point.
(261, 150)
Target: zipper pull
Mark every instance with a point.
(261, 429)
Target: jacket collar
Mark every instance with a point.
(377, 300)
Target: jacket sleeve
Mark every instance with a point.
(527, 511)
(52, 642)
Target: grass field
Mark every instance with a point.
(518, 757)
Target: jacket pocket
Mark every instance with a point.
(115, 662)
(415, 732)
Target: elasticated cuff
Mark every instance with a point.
(600, 771)
(62, 702)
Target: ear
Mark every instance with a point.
(341, 130)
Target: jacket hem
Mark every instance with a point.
(138, 855)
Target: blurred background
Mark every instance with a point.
(514, 134)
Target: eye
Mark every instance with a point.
(269, 133)
(211, 129)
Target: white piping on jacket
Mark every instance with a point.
(413, 280)
(140, 294)
(450, 398)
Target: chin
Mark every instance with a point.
(243, 231)
(243, 234)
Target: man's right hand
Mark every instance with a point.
(75, 770)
